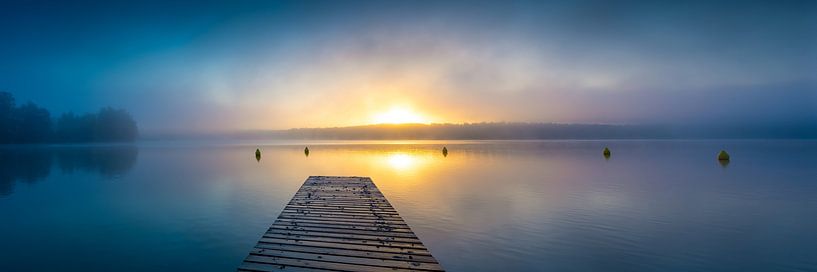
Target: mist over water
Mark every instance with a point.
(510, 135)
(486, 206)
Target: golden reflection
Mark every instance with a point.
(407, 161)
(402, 161)
(395, 166)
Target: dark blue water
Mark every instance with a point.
(487, 206)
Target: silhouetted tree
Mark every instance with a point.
(114, 125)
(108, 125)
(31, 124)
(6, 109)
(25, 124)
(75, 129)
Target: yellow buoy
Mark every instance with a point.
(445, 152)
(306, 151)
(606, 152)
(257, 154)
(723, 156)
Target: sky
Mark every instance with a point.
(211, 66)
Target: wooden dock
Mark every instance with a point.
(339, 224)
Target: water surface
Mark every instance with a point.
(487, 206)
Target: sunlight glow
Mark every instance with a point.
(399, 115)
(401, 161)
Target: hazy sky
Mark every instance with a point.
(216, 66)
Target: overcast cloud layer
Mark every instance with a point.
(273, 65)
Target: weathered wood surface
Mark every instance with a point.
(339, 224)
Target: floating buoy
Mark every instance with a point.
(606, 152)
(445, 152)
(257, 154)
(306, 151)
(723, 156)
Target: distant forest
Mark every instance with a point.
(532, 131)
(467, 131)
(29, 123)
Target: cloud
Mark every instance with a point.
(323, 64)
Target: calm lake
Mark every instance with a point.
(487, 206)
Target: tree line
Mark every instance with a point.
(29, 123)
(470, 131)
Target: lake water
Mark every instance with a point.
(487, 206)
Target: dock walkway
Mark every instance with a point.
(339, 224)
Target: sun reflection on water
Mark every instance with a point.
(401, 161)
(405, 161)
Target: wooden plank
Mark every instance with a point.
(323, 238)
(347, 252)
(343, 235)
(369, 210)
(351, 220)
(346, 189)
(340, 201)
(332, 244)
(344, 213)
(339, 197)
(284, 229)
(381, 223)
(378, 228)
(341, 210)
(355, 201)
(306, 263)
(348, 260)
(266, 267)
(344, 208)
(339, 205)
(387, 232)
(344, 204)
(341, 217)
(339, 224)
(308, 191)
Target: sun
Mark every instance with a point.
(399, 115)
